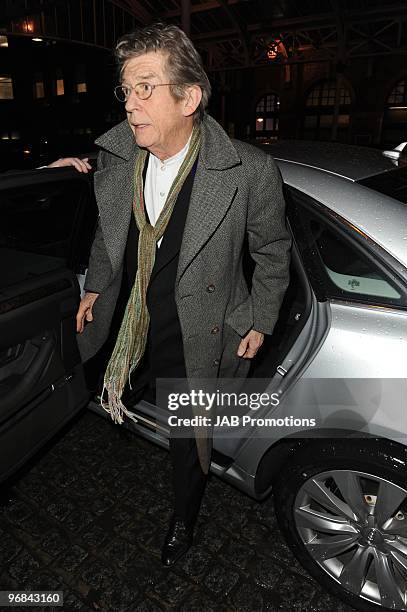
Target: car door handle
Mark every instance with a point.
(32, 295)
(29, 379)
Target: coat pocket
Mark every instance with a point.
(241, 317)
(231, 365)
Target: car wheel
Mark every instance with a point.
(342, 506)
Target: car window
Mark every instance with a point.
(347, 269)
(392, 183)
(47, 218)
(340, 266)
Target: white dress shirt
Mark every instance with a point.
(160, 176)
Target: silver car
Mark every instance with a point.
(333, 449)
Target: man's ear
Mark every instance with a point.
(193, 96)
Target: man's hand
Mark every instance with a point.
(250, 344)
(82, 165)
(85, 311)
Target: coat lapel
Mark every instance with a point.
(213, 191)
(209, 203)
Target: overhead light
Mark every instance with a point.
(27, 151)
(272, 49)
(36, 39)
(28, 26)
(397, 107)
(3, 41)
(260, 120)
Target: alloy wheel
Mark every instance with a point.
(354, 526)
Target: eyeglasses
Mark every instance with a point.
(142, 90)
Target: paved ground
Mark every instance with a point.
(88, 518)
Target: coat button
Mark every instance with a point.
(215, 330)
(215, 362)
(210, 288)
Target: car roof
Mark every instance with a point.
(380, 217)
(349, 161)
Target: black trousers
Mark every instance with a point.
(188, 478)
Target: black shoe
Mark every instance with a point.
(177, 541)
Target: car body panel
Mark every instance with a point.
(364, 341)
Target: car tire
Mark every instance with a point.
(307, 496)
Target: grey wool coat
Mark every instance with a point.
(237, 190)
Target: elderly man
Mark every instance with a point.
(176, 200)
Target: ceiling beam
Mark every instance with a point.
(135, 8)
(340, 28)
(199, 8)
(240, 27)
(395, 10)
(308, 23)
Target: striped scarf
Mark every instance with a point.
(132, 337)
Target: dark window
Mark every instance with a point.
(53, 219)
(6, 87)
(39, 91)
(324, 94)
(395, 115)
(338, 265)
(59, 85)
(393, 183)
(398, 94)
(320, 111)
(267, 116)
(80, 79)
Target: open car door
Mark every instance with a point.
(47, 219)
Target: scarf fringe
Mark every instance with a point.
(115, 407)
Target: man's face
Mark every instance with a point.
(157, 121)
